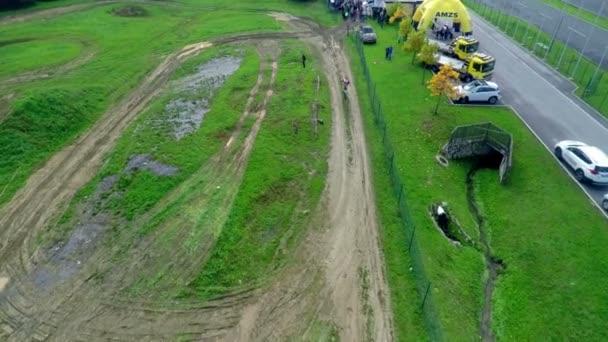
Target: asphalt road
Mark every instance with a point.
(547, 18)
(542, 97)
(590, 5)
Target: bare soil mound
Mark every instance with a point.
(130, 11)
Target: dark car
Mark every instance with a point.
(367, 34)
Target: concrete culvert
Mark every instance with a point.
(490, 146)
(442, 160)
(448, 224)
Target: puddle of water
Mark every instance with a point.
(144, 162)
(66, 259)
(106, 184)
(186, 115)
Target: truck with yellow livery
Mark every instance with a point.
(460, 47)
(480, 66)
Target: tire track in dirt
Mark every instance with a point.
(71, 168)
(146, 319)
(44, 73)
(322, 283)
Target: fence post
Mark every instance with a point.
(384, 135)
(400, 195)
(428, 287)
(409, 248)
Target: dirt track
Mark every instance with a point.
(336, 275)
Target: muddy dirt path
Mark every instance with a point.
(335, 276)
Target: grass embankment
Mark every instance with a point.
(40, 5)
(24, 56)
(592, 86)
(552, 287)
(579, 12)
(283, 181)
(48, 114)
(315, 10)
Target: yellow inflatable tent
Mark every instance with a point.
(443, 12)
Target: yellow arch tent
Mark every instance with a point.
(443, 11)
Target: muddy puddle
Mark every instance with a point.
(94, 219)
(181, 116)
(67, 257)
(186, 112)
(145, 162)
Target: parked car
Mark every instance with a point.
(367, 34)
(590, 164)
(478, 91)
(605, 202)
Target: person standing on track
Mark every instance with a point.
(303, 61)
(345, 83)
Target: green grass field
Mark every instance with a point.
(552, 287)
(41, 5)
(283, 181)
(18, 57)
(150, 135)
(579, 12)
(564, 59)
(125, 50)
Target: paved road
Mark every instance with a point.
(548, 18)
(590, 5)
(542, 97)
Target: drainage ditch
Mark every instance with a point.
(494, 265)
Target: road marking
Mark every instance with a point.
(539, 75)
(597, 205)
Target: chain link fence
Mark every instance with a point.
(422, 281)
(550, 34)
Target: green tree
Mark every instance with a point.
(443, 83)
(405, 26)
(415, 41)
(428, 56)
(392, 8)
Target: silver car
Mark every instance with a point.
(367, 34)
(479, 91)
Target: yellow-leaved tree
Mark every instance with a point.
(443, 83)
(405, 26)
(428, 56)
(414, 43)
(400, 12)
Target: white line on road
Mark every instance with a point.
(597, 205)
(544, 79)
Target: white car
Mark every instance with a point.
(589, 163)
(478, 91)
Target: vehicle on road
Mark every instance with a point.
(366, 34)
(460, 47)
(605, 202)
(589, 163)
(479, 67)
(478, 91)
